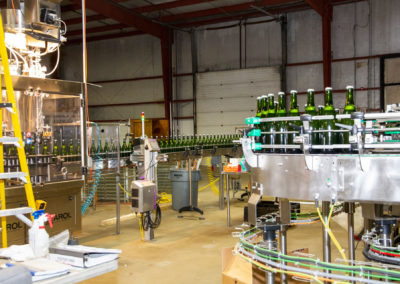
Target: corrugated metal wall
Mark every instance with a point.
(226, 98)
(359, 29)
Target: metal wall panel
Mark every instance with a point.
(226, 98)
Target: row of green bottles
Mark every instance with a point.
(182, 143)
(284, 132)
(110, 149)
(275, 133)
(72, 151)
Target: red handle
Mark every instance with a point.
(50, 218)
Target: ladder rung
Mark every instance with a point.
(7, 106)
(19, 175)
(15, 211)
(10, 140)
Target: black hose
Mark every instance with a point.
(147, 221)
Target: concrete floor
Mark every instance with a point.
(185, 250)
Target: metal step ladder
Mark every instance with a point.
(23, 175)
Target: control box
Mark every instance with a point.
(144, 196)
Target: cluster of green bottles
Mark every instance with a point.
(41, 152)
(70, 151)
(181, 143)
(109, 150)
(325, 132)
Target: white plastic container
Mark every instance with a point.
(38, 237)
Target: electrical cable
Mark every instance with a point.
(328, 229)
(96, 177)
(211, 179)
(361, 270)
(55, 67)
(268, 268)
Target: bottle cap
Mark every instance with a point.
(259, 98)
(264, 96)
(328, 89)
(270, 95)
(349, 87)
(310, 90)
(281, 93)
(293, 91)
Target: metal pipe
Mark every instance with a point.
(227, 200)
(190, 182)
(283, 243)
(221, 189)
(326, 247)
(117, 180)
(350, 228)
(270, 275)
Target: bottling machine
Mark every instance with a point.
(52, 117)
(362, 172)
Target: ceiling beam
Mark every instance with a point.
(169, 5)
(97, 29)
(224, 9)
(107, 36)
(125, 16)
(75, 21)
(317, 5)
(144, 9)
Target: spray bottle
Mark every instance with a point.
(38, 237)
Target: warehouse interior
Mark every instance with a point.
(204, 141)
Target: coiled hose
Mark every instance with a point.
(96, 177)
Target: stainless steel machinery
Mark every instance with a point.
(52, 116)
(363, 172)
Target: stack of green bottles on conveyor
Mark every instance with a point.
(182, 143)
(109, 150)
(281, 132)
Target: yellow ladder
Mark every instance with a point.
(24, 176)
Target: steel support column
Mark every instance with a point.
(326, 46)
(324, 9)
(166, 55)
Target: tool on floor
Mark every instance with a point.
(22, 175)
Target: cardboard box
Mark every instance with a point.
(234, 269)
(238, 271)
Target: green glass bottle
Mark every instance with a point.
(293, 111)
(124, 148)
(259, 107)
(71, 150)
(191, 143)
(271, 136)
(45, 150)
(113, 149)
(32, 149)
(311, 110)
(93, 149)
(348, 109)
(329, 138)
(320, 110)
(281, 126)
(167, 144)
(55, 148)
(78, 150)
(64, 149)
(100, 150)
(130, 145)
(106, 149)
(263, 125)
